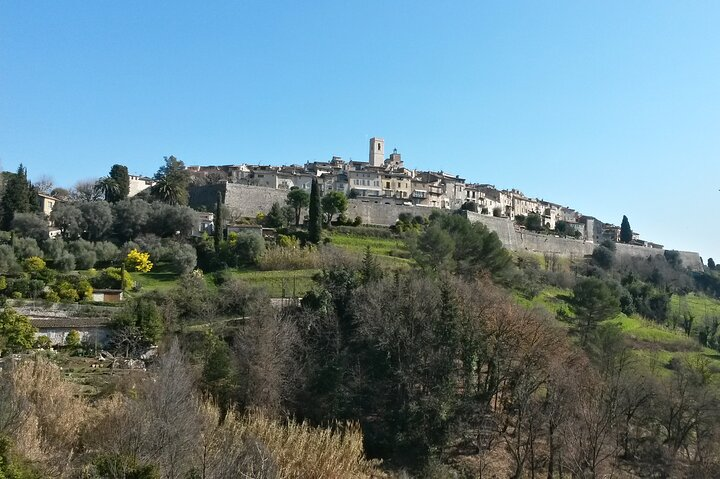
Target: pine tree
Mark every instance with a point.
(625, 230)
(711, 263)
(315, 226)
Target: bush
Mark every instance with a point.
(53, 249)
(65, 263)
(138, 261)
(109, 278)
(72, 340)
(245, 250)
(33, 264)
(43, 342)
(26, 247)
(182, 257)
(31, 225)
(84, 252)
(8, 262)
(106, 252)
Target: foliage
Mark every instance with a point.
(18, 197)
(26, 247)
(30, 225)
(142, 315)
(603, 256)
(33, 264)
(109, 278)
(243, 250)
(72, 340)
(130, 218)
(69, 218)
(8, 262)
(119, 174)
(453, 243)
(16, 332)
(315, 214)
(169, 220)
(181, 257)
(106, 252)
(275, 217)
(334, 202)
(84, 253)
(97, 219)
(218, 223)
(172, 181)
(533, 222)
(298, 199)
(625, 230)
(593, 301)
(138, 261)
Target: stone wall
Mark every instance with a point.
(243, 200)
(247, 200)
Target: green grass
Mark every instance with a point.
(297, 281)
(389, 251)
(161, 277)
(699, 305)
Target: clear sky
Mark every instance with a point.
(609, 107)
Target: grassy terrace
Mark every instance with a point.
(654, 345)
(390, 252)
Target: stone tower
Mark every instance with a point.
(377, 152)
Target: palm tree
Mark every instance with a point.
(107, 187)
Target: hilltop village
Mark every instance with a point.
(386, 180)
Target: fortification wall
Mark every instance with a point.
(243, 200)
(382, 212)
(247, 200)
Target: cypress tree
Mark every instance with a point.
(625, 230)
(315, 226)
(218, 223)
(17, 198)
(119, 174)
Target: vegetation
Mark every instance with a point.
(315, 214)
(421, 350)
(626, 233)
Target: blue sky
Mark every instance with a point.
(609, 107)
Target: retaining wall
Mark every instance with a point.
(248, 201)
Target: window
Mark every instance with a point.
(378, 146)
(387, 185)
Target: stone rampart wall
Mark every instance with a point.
(247, 200)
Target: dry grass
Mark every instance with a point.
(305, 452)
(47, 413)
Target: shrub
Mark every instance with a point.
(84, 253)
(138, 261)
(8, 262)
(65, 263)
(16, 330)
(182, 257)
(106, 252)
(33, 264)
(43, 342)
(72, 340)
(26, 247)
(246, 249)
(109, 278)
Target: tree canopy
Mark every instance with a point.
(626, 233)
